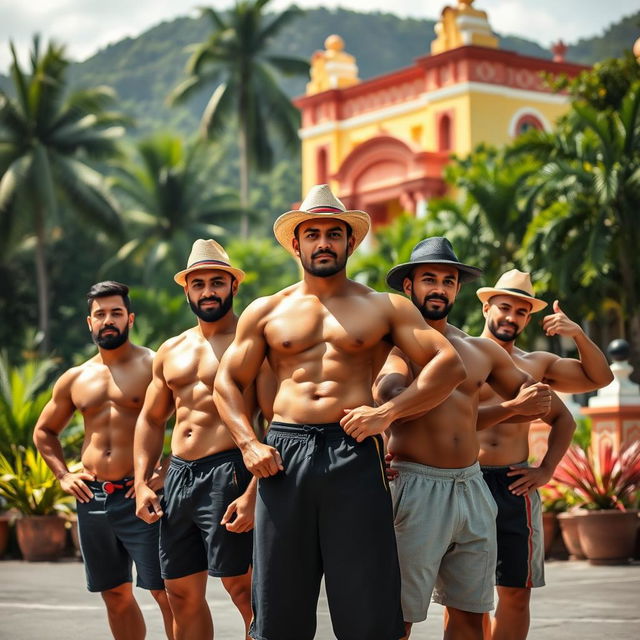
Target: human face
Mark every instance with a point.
(109, 322)
(210, 293)
(323, 246)
(433, 289)
(507, 316)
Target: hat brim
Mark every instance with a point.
(486, 293)
(284, 227)
(395, 277)
(181, 277)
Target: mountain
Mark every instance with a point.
(144, 69)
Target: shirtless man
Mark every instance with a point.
(209, 496)
(504, 448)
(108, 391)
(323, 504)
(444, 513)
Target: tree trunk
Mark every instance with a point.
(243, 142)
(42, 281)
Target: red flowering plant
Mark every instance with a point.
(607, 481)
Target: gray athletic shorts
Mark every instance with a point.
(445, 523)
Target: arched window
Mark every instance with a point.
(444, 133)
(526, 122)
(322, 166)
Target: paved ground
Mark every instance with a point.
(47, 601)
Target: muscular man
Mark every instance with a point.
(444, 513)
(504, 448)
(108, 391)
(209, 497)
(323, 504)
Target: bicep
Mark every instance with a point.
(58, 411)
(567, 375)
(394, 374)
(158, 400)
(505, 378)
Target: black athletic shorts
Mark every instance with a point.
(329, 512)
(112, 536)
(519, 528)
(196, 495)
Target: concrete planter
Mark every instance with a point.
(41, 537)
(568, 522)
(550, 530)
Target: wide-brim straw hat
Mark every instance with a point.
(513, 283)
(207, 254)
(434, 250)
(320, 203)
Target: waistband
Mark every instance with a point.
(215, 458)
(501, 468)
(331, 430)
(110, 486)
(465, 473)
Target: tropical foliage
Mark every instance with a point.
(237, 62)
(48, 136)
(28, 485)
(606, 480)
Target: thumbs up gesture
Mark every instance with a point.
(558, 324)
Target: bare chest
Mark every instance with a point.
(190, 366)
(101, 387)
(350, 327)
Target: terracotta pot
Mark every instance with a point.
(4, 533)
(608, 536)
(569, 529)
(550, 530)
(74, 534)
(41, 537)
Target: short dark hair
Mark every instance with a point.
(346, 224)
(109, 288)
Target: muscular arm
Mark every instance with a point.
(442, 372)
(569, 375)
(54, 418)
(526, 399)
(238, 370)
(562, 427)
(148, 439)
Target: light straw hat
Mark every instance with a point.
(320, 203)
(513, 283)
(207, 254)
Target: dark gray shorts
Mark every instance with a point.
(196, 495)
(112, 536)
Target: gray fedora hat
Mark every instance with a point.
(435, 250)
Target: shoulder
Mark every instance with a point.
(169, 346)
(65, 382)
(144, 354)
(260, 307)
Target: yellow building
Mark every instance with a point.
(382, 144)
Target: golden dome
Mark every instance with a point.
(334, 43)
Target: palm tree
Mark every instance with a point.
(236, 60)
(47, 138)
(171, 204)
(588, 210)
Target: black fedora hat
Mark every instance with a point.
(435, 250)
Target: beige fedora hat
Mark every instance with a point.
(513, 283)
(207, 254)
(320, 203)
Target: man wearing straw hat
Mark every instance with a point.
(444, 512)
(323, 503)
(504, 440)
(108, 390)
(206, 515)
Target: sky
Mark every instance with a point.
(85, 26)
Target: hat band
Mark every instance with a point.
(434, 257)
(324, 209)
(220, 262)
(520, 291)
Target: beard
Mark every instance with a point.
(323, 270)
(112, 341)
(432, 314)
(501, 335)
(214, 313)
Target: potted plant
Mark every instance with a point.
(607, 487)
(553, 503)
(29, 486)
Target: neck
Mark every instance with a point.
(439, 325)
(223, 325)
(113, 356)
(506, 345)
(324, 287)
